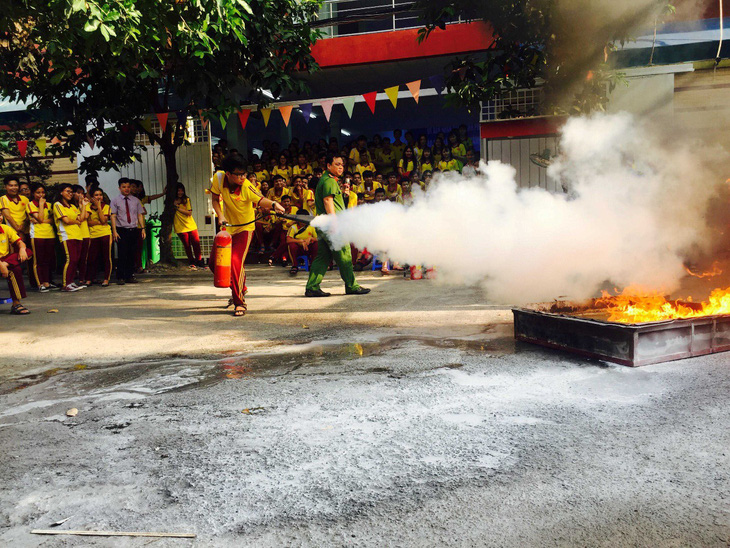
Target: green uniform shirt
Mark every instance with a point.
(328, 186)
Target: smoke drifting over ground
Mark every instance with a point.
(634, 206)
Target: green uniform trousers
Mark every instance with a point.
(325, 254)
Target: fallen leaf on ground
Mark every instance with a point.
(72, 412)
(305, 327)
(53, 311)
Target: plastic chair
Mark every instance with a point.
(377, 265)
(304, 263)
(6, 301)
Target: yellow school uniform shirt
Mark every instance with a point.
(354, 156)
(408, 166)
(307, 233)
(84, 226)
(262, 175)
(283, 171)
(458, 150)
(426, 167)
(238, 207)
(363, 168)
(67, 231)
(303, 201)
(451, 165)
(8, 236)
(397, 193)
(18, 210)
(44, 230)
(361, 190)
(99, 231)
(184, 223)
(273, 196)
(387, 158)
(398, 148)
(352, 199)
(302, 171)
(286, 223)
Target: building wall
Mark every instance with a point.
(702, 104)
(516, 152)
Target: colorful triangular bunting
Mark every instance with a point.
(41, 144)
(286, 113)
(415, 88)
(203, 119)
(146, 124)
(306, 109)
(90, 140)
(266, 113)
(462, 72)
(243, 115)
(349, 104)
(327, 108)
(22, 147)
(224, 120)
(56, 141)
(392, 93)
(370, 100)
(438, 83)
(5, 144)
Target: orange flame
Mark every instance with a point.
(716, 271)
(632, 306)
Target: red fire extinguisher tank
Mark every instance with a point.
(222, 246)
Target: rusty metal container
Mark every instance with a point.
(627, 344)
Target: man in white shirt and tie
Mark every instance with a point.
(127, 216)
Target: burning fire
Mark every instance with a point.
(634, 307)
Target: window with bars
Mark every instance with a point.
(522, 103)
(194, 132)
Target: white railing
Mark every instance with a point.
(522, 103)
(368, 16)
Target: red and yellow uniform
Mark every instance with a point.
(71, 237)
(393, 195)
(406, 167)
(369, 194)
(297, 250)
(362, 168)
(8, 238)
(386, 160)
(85, 242)
(458, 150)
(187, 230)
(100, 245)
(43, 242)
(398, 149)
(283, 171)
(262, 175)
(239, 207)
(272, 195)
(451, 165)
(305, 201)
(426, 166)
(302, 171)
(17, 210)
(351, 199)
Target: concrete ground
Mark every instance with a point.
(408, 417)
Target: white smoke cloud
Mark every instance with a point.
(634, 207)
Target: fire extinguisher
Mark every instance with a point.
(222, 247)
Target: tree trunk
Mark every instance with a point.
(169, 151)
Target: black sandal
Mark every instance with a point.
(239, 311)
(19, 310)
(293, 270)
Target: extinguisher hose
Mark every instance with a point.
(306, 219)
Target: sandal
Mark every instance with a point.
(192, 267)
(239, 311)
(271, 261)
(19, 310)
(293, 270)
(105, 284)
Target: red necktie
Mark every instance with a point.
(126, 202)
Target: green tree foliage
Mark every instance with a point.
(564, 46)
(96, 68)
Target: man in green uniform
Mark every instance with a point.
(328, 200)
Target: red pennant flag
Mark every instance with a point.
(22, 147)
(90, 140)
(243, 116)
(162, 118)
(462, 72)
(370, 100)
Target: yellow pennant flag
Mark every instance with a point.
(146, 124)
(286, 113)
(392, 94)
(41, 144)
(266, 113)
(415, 88)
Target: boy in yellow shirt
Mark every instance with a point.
(302, 241)
(368, 186)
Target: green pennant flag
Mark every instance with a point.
(224, 120)
(349, 104)
(5, 144)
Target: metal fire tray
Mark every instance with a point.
(627, 344)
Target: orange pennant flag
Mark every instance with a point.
(266, 113)
(392, 94)
(286, 113)
(203, 119)
(415, 88)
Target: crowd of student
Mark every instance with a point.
(86, 223)
(376, 170)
